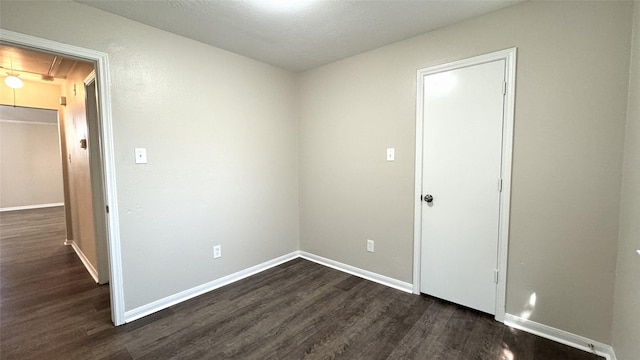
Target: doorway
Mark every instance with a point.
(464, 128)
(105, 142)
(52, 81)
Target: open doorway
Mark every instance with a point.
(47, 80)
(88, 178)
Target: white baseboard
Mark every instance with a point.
(380, 279)
(185, 295)
(560, 336)
(83, 258)
(529, 326)
(168, 301)
(27, 207)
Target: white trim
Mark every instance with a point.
(185, 295)
(28, 207)
(560, 336)
(380, 279)
(509, 56)
(505, 199)
(87, 264)
(417, 193)
(106, 131)
(28, 122)
(90, 78)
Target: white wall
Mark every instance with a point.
(573, 60)
(30, 167)
(626, 325)
(221, 135)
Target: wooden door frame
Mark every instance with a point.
(509, 56)
(105, 131)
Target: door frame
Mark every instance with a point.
(509, 56)
(105, 132)
(97, 184)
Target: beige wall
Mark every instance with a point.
(626, 327)
(570, 111)
(221, 136)
(41, 184)
(32, 94)
(30, 171)
(222, 141)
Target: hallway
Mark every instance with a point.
(47, 297)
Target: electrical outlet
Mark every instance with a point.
(217, 251)
(370, 245)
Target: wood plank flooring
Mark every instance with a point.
(50, 308)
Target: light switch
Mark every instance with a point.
(391, 154)
(141, 155)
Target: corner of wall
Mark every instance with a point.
(296, 87)
(626, 303)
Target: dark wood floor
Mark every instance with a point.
(50, 308)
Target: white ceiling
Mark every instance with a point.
(309, 34)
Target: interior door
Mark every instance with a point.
(97, 183)
(462, 149)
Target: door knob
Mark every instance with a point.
(428, 198)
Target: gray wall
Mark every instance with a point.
(30, 168)
(221, 136)
(573, 61)
(626, 327)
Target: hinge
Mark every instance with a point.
(107, 209)
(504, 88)
(499, 185)
(495, 276)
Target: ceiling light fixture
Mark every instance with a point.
(282, 5)
(13, 81)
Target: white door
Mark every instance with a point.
(462, 149)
